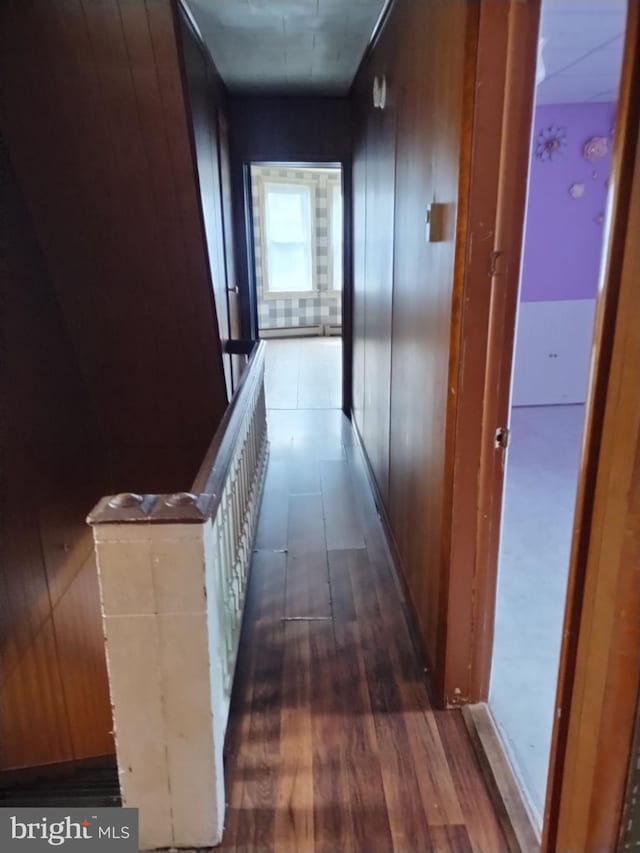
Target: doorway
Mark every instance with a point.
(298, 251)
(579, 59)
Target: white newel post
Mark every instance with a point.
(173, 574)
(165, 672)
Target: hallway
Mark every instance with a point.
(332, 744)
(304, 373)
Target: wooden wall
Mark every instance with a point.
(112, 371)
(54, 699)
(207, 99)
(287, 129)
(96, 122)
(405, 157)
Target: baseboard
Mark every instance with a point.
(509, 804)
(433, 682)
(23, 775)
(302, 331)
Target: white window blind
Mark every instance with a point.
(288, 238)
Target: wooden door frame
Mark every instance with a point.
(597, 692)
(600, 659)
(483, 332)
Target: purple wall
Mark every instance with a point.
(563, 238)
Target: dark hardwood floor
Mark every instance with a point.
(332, 744)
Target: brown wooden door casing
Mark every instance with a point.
(600, 665)
(501, 126)
(599, 679)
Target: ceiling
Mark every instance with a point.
(581, 51)
(287, 46)
(315, 46)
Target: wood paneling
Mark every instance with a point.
(332, 743)
(293, 129)
(413, 155)
(288, 129)
(102, 152)
(359, 230)
(113, 375)
(54, 700)
(378, 295)
(207, 103)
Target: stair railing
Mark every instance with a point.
(173, 573)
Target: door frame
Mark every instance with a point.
(346, 336)
(595, 706)
(483, 333)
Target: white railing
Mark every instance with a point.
(173, 576)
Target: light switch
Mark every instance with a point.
(434, 232)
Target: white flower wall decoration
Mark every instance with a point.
(551, 142)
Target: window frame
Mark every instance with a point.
(264, 183)
(333, 190)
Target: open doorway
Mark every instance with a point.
(298, 222)
(577, 86)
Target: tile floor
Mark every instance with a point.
(540, 491)
(304, 373)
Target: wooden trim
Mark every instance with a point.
(239, 346)
(378, 28)
(182, 15)
(504, 790)
(522, 48)
(600, 664)
(600, 660)
(208, 487)
(347, 288)
(630, 823)
(55, 770)
(484, 321)
(182, 8)
(396, 562)
(215, 465)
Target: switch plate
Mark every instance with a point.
(435, 223)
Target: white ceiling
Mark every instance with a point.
(582, 50)
(315, 46)
(287, 46)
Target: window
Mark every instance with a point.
(336, 237)
(288, 238)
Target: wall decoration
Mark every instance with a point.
(551, 142)
(563, 240)
(576, 190)
(380, 92)
(595, 149)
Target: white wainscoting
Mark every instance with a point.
(553, 352)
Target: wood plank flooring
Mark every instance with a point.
(332, 744)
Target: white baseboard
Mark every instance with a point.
(301, 331)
